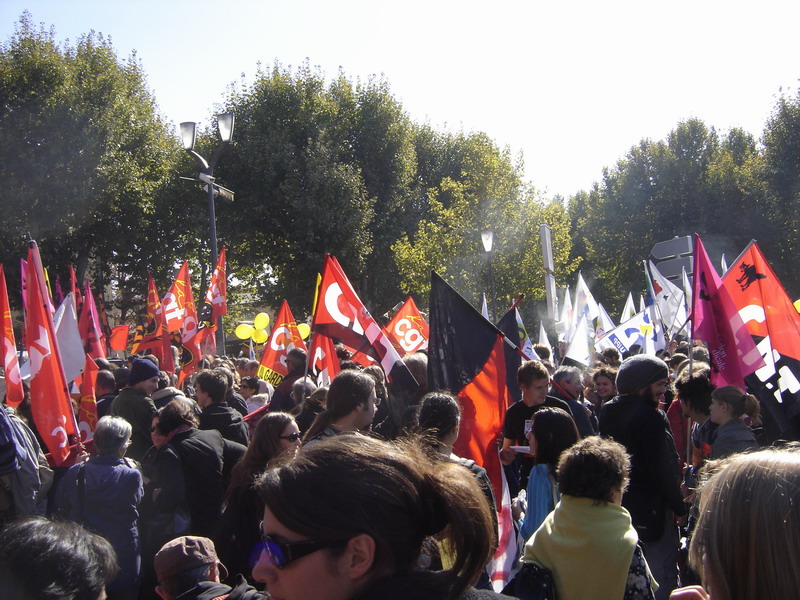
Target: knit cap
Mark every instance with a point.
(142, 369)
(639, 371)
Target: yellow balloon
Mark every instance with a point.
(243, 331)
(259, 336)
(261, 321)
(304, 330)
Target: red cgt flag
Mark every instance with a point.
(284, 337)
(217, 294)
(323, 364)
(8, 346)
(190, 340)
(174, 303)
(50, 401)
(408, 329)
(89, 325)
(155, 336)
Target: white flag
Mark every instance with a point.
(565, 324)
(642, 330)
(629, 310)
(485, 308)
(585, 303)
(579, 350)
(604, 322)
(543, 337)
(669, 299)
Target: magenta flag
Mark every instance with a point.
(716, 321)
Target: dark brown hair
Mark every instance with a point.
(531, 370)
(392, 492)
(594, 468)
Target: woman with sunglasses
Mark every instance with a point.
(348, 517)
(276, 434)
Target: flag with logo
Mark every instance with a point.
(466, 357)
(189, 340)
(642, 333)
(284, 337)
(50, 401)
(14, 392)
(408, 329)
(716, 321)
(322, 361)
(771, 319)
(669, 300)
(155, 336)
(175, 302)
(340, 314)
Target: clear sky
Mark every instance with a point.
(571, 85)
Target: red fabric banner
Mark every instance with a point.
(8, 347)
(284, 337)
(408, 329)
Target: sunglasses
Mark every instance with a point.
(282, 553)
(292, 437)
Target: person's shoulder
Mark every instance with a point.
(476, 594)
(554, 402)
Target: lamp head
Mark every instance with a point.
(225, 124)
(487, 237)
(188, 132)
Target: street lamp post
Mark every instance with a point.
(188, 133)
(487, 237)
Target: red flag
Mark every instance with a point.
(87, 417)
(155, 337)
(89, 325)
(23, 282)
(59, 293)
(190, 341)
(323, 364)
(772, 320)
(50, 402)
(14, 391)
(217, 294)
(408, 329)
(174, 303)
(75, 289)
(284, 337)
(119, 338)
(716, 321)
(341, 314)
(466, 357)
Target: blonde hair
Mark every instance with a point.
(746, 542)
(741, 403)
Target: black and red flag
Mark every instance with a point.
(466, 356)
(772, 320)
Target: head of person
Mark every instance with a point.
(251, 368)
(552, 432)
(570, 380)
(248, 386)
(542, 351)
(296, 359)
(730, 402)
(611, 357)
(643, 375)
(439, 418)
(230, 378)
(534, 381)
(675, 361)
(746, 536)
(54, 560)
(105, 383)
(174, 415)
(349, 543)
(417, 363)
(302, 389)
(210, 387)
(112, 436)
(144, 375)
(604, 379)
(351, 396)
(316, 401)
(376, 372)
(183, 563)
(596, 468)
(158, 438)
(121, 376)
(694, 391)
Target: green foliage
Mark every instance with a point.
(85, 160)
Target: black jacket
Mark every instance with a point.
(655, 475)
(209, 590)
(225, 420)
(206, 460)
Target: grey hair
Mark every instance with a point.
(567, 374)
(111, 434)
(302, 389)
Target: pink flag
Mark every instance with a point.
(716, 321)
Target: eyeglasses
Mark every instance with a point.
(292, 437)
(282, 553)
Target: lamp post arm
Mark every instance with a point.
(201, 161)
(215, 157)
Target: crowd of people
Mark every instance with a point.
(628, 479)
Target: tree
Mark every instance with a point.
(85, 160)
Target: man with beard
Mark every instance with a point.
(634, 420)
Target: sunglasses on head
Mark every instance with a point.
(282, 553)
(292, 437)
